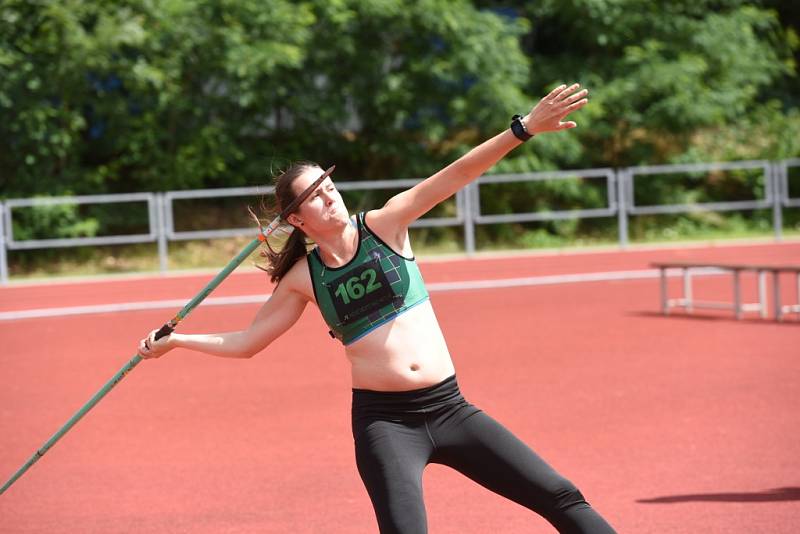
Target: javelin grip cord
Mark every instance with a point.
(164, 331)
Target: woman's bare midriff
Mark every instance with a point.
(404, 354)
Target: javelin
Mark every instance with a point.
(169, 327)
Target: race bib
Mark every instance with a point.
(363, 290)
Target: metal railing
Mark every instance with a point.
(7, 241)
(782, 181)
(629, 181)
(619, 193)
(476, 217)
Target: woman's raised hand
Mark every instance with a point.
(548, 115)
(150, 348)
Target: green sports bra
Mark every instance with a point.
(370, 290)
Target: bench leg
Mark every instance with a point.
(687, 289)
(737, 295)
(798, 295)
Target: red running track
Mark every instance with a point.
(667, 424)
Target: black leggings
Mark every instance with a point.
(398, 433)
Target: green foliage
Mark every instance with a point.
(397, 88)
(138, 95)
(144, 95)
(661, 71)
(149, 95)
(52, 222)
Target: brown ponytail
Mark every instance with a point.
(279, 263)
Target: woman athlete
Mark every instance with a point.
(407, 408)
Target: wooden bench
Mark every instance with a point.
(736, 269)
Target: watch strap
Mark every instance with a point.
(518, 128)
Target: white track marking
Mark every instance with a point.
(465, 285)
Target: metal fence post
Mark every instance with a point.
(161, 231)
(3, 261)
(622, 207)
(775, 180)
(469, 219)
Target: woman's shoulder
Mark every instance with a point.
(298, 278)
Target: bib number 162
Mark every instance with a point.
(356, 287)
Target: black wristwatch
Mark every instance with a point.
(519, 130)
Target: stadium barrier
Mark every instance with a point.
(619, 192)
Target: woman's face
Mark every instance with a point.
(322, 206)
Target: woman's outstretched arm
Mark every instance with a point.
(274, 318)
(547, 116)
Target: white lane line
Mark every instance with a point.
(465, 285)
(542, 280)
(127, 306)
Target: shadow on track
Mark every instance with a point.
(772, 495)
(706, 315)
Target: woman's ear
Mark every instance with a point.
(294, 220)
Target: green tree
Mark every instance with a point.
(661, 72)
(146, 95)
(139, 94)
(397, 88)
